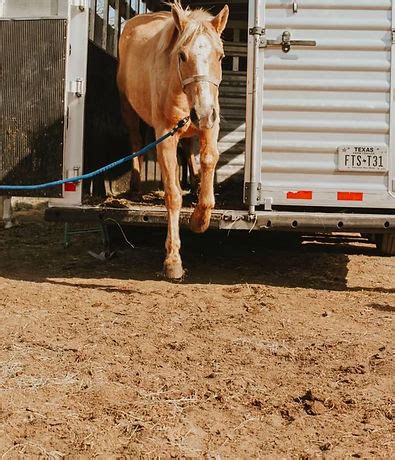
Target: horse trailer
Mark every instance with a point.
(307, 137)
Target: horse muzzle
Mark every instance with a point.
(203, 121)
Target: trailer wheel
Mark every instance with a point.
(386, 244)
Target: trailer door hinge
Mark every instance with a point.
(257, 30)
(260, 35)
(77, 87)
(393, 35)
(252, 193)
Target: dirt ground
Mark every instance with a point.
(266, 350)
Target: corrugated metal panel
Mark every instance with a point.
(232, 135)
(230, 168)
(32, 77)
(319, 98)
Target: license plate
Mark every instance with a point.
(367, 158)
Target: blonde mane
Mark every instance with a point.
(198, 21)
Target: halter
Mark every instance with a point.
(196, 79)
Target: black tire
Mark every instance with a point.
(386, 244)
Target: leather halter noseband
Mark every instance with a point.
(196, 79)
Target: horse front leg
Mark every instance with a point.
(167, 158)
(209, 155)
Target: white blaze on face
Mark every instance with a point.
(201, 49)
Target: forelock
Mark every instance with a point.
(194, 28)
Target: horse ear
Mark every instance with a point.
(219, 22)
(178, 16)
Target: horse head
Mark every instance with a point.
(198, 54)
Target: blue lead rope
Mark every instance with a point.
(142, 151)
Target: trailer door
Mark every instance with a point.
(319, 103)
(33, 49)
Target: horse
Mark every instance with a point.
(170, 68)
(146, 133)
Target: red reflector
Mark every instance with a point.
(70, 187)
(350, 196)
(301, 195)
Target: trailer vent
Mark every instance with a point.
(32, 79)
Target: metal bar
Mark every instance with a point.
(117, 27)
(303, 43)
(236, 59)
(76, 68)
(155, 216)
(92, 19)
(233, 220)
(105, 25)
(127, 10)
(309, 221)
(391, 172)
(255, 67)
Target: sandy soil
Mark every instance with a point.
(266, 350)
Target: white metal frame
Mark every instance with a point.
(81, 23)
(75, 88)
(391, 174)
(254, 133)
(254, 105)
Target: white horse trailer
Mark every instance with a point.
(307, 138)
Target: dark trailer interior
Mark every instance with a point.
(106, 138)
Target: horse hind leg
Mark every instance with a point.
(187, 147)
(137, 165)
(133, 123)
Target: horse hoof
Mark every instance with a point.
(199, 222)
(173, 271)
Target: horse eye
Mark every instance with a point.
(183, 56)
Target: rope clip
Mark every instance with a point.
(180, 125)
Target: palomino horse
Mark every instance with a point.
(170, 68)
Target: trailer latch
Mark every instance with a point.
(286, 43)
(77, 87)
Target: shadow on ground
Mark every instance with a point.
(33, 251)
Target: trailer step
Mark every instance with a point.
(231, 219)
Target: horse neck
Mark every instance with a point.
(175, 99)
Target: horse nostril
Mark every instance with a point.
(194, 116)
(213, 115)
